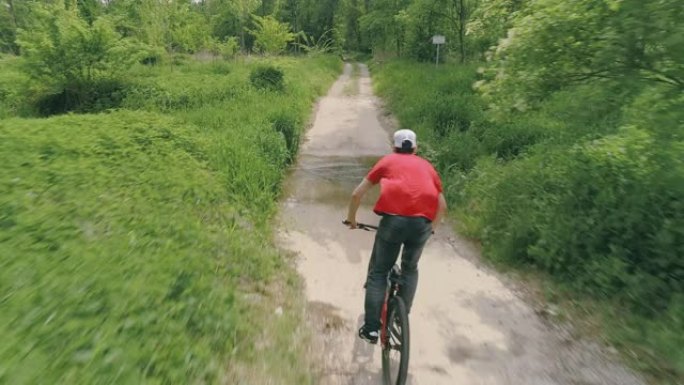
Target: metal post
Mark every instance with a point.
(438, 40)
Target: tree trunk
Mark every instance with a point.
(13, 13)
(462, 17)
(296, 26)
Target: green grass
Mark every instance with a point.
(133, 243)
(585, 190)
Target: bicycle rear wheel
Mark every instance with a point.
(395, 354)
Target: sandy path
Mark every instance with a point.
(467, 326)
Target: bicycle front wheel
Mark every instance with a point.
(395, 354)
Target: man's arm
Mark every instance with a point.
(441, 209)
(355, 202)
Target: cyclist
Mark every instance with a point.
(411, 204)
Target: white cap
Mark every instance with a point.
(403, 135)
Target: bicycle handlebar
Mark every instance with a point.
(362, 226)
(366, 227)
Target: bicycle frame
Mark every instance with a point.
(390, 292)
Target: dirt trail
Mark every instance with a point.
(467, 326)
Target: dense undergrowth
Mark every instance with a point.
(135, 244)
(586, 189)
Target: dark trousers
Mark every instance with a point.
(393, 232)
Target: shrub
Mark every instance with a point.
(71, 58)
(508, 141)
(267, 77)
(152, 56)
(274, 148)
(96, 96)
(271, 36)
(286, 124)
(229, 48)
(586, 187)
(324, 44)
(602, 216)
(615, 223)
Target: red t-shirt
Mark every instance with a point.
(409, 186)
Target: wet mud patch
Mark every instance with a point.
(459, 351)
(326, 179)
(326, 317)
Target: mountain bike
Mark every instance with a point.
(394, 330)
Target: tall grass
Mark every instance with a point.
(585, 189)
(135, 245)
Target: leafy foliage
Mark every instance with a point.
(72, 59)
(566, 154)
(547, 50)
(492, 19)
(324, 44)
(267, 77)
(585, 187)
(271, 36)
(229, 48)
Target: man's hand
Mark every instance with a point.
(355, 202)
(441, 210)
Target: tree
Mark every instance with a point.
(271, 36)
(243, 9)
(266, 7)
(13, 15)
(62, 51)
(289, 11)
(347, 21)
(90, 9)
(560, 43)
(384, 24)
(491, 19)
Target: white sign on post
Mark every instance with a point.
(438, 40)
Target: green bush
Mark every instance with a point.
(72, 60)
(267, 77)
(603, 216)
(270, 35)
(229, 48)
(621, 195)
(152, 56)
(586, 187)
(287, 125)
(508, 141)
(92, 97)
